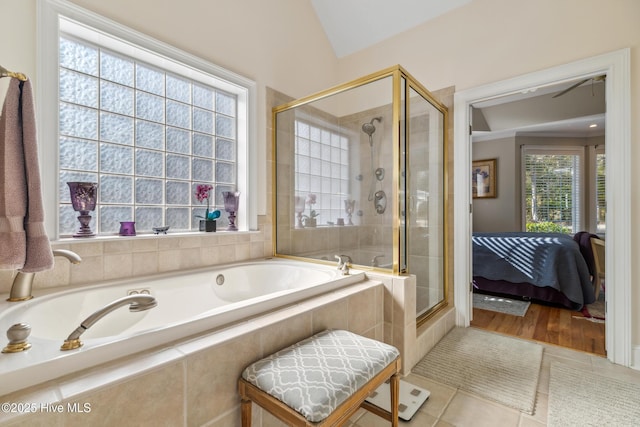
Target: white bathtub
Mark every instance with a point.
(189, 303)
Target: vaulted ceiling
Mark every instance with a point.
(353, 25)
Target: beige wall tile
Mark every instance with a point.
(282, 334)
(168, 260)
(242, 251)
(190, 242)
(212, 377)
(145, 245)
(362, 312)
(190, 258)
(118, 266)
(158, 396)
(145, 263)
(210, 255)
(6, 279)
(89, 271)
(331, 316)
(118, 246)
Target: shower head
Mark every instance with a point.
(369, 128)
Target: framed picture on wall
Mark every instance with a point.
(483, 178)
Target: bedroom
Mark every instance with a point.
(555, 137)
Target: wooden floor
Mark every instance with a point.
(547, 324)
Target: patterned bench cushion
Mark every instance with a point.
(316, 375)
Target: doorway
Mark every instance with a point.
(615, 66)
(542, 146)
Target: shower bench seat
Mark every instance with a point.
(322, 380)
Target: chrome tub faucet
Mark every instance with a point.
(344, 262)
(23, 282)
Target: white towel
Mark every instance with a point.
(23, 240)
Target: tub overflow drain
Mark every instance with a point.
(220, 279)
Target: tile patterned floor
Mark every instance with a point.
(448, 406)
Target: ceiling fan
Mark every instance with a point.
(599, 78)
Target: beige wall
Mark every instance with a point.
(501, 213)
(277, 43)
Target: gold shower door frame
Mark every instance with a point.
(402, 85)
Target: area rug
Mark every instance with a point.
(579, 397)
(500, 304)
(499, 368)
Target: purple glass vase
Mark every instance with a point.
(83, 198)
(231, 200)
(127, 228)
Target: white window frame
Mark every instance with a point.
(49, 13)
(593, 207)
(577, 223)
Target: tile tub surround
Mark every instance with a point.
(194, 382)
(117, 257)
(400, 325)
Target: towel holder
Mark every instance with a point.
(6, 73)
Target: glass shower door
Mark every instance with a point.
(425, 200)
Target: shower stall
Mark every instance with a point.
(359, 171)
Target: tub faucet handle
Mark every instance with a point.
(344, 261)
(18, 335)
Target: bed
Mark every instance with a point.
(546, 267)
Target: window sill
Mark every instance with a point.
(143, 236)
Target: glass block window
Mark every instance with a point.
(147, 135)
(321, 170)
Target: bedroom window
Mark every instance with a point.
(552, 188)
(148, 129)
(322, 169)
(601, 204)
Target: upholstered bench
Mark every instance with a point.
(322, 380)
